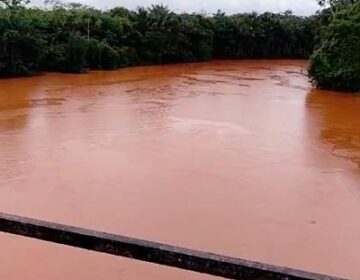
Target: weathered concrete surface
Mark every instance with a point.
(212, 264)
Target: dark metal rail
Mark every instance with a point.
(212, 264)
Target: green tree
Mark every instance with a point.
(336, 63)
(21, 45)
(75, 53)
(73, 37)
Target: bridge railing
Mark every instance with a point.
(162, 254)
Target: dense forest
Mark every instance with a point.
(75, 38)
(335, 63)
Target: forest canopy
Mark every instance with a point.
(335, 63)
(75, 38)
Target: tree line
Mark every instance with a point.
(74, 38)
(335, 63)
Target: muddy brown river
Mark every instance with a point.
(242, 158)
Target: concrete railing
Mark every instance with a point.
(192, 260)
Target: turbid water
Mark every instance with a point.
(242, 158)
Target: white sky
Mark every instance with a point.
(300, 7)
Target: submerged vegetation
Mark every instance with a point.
(74, 38)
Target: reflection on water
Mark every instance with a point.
(236, 157)
(339, 116)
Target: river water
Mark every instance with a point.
(242, 158)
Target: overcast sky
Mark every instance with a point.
(300, 7)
